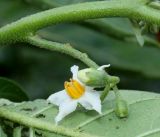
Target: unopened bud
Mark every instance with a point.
(121, 109)
(113, 79)
(92, 77)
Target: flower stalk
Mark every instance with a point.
(121, 108)
(62, 48)
(17, 131)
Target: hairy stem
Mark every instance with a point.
(99, 25)
(117, 93)
(121, 107)
(17, 31)
(62, 48)
(17, 131)
(105, 92)
(31, 132)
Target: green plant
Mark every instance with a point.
(37, 115)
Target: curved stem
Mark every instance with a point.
(117, 93)
(105, 92)
(62, 48)
(100, 25)
(121, 107)
(17, 31)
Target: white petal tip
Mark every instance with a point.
(99, 111)
(48, 99)
(103, 67)
(57, 120)
(56, 123)
(107, 65)
(57, 98)
(51, 97)
(74, 68)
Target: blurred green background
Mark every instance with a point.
(41, 72)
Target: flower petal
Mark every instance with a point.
(65, 108)
(58, 98)
(91, 100)
(84, 102)
(74, 70)
(88, 88)
(103, 67)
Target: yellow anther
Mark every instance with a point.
(78, 86)
(74, 89)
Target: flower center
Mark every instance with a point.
(74, 89)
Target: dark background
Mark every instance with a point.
(41, 72)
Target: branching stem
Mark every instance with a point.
(62, 48)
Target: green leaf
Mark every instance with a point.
(11, 90)
(143, 117)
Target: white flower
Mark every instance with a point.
(75, 92)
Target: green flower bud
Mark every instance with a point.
(121, 109)
(92, 77)
(113, 79)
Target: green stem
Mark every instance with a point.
(17, 31)
(36, 123)
(121, 108)
(99, 25)
(62, 48)
(111, 82)
(105, 92)
(17, 131)
(2, 134)
(117, 93)
(31, 132)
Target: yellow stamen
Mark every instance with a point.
(74, 89)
